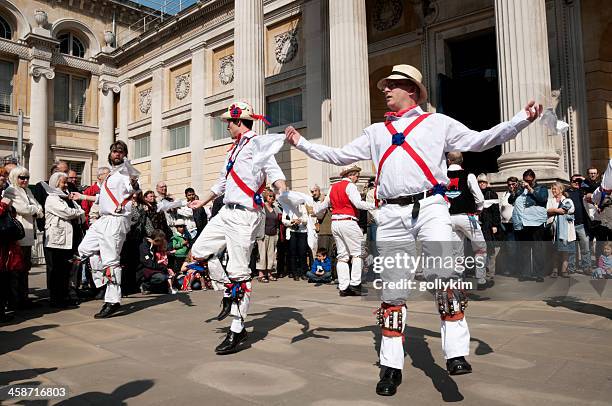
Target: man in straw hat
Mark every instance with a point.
(239, 222)
(408, 153)
(104, 239)
(345, 202)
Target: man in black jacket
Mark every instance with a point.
(582, 226)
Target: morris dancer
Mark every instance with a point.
(239, 222)
(106, 236)
(466, 200)
(410, 147)
(345, 202)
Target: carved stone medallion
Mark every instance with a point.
(226, 69)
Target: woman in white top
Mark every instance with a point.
(28, 209)
(560, 210)
(62, 236)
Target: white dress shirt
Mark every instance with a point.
(472, 183)
(120, 186)
(437, 134)
(243, 168)
(353, 195)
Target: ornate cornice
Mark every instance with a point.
(38, 71)
(14, 48)
(74, 62)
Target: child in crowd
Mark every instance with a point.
(193, 276)
(180, 243)
(321, 268)
(153, 268)
(604, 264)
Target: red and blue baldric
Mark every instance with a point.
(398, 139)
(255, 195)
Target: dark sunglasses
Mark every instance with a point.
(576, 181)
(23, 177)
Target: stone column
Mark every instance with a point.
(39, 121)
(524, 73)
(249, 56)
(317, 102)
(349, 76)
(197, 125)
(156, 123)
(106, 135)
(124, 110)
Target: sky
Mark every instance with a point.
(172, 6)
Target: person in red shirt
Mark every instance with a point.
(92, 191)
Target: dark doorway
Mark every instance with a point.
(471, 94)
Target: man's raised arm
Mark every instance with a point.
(357, 150)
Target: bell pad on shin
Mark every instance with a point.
(451, 304)
(392, 319)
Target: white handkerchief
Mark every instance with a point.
(290, 201)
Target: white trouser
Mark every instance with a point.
(348, 237)
(237, 231)
(105, 238)
(464, 228)
(432, 228)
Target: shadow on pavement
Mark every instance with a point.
(14, 340)
(574, 304)
(7, 377)
(274, 318)
(118, 397)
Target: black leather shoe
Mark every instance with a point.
(231, 342)
(356, 290)
(346, 292)
(391, 379)
(107, 310)
(226, 308)
(458, 366)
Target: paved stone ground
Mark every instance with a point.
(310, 347)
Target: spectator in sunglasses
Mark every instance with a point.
(28, 209)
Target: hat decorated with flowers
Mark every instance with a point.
(242, 111)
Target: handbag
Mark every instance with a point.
(15, 261)
(11, 228)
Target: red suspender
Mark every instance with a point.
(118, 206)
(239, 182)
(243, 186)
(419, 161)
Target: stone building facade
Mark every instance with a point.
(87, 72)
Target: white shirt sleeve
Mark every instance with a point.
(476, 192)
(461, 138)
(357, 150)
(219, 187)
(355, 198)
(273, 171)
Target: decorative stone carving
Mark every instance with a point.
(106, 85)
(41, 18)
(286, 46)
(144, 101)
(226, 69)
(182, 86)
(109, 38)
(387, 13)
(38, 71)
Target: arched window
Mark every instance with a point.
(71, 45)
(5, 29)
